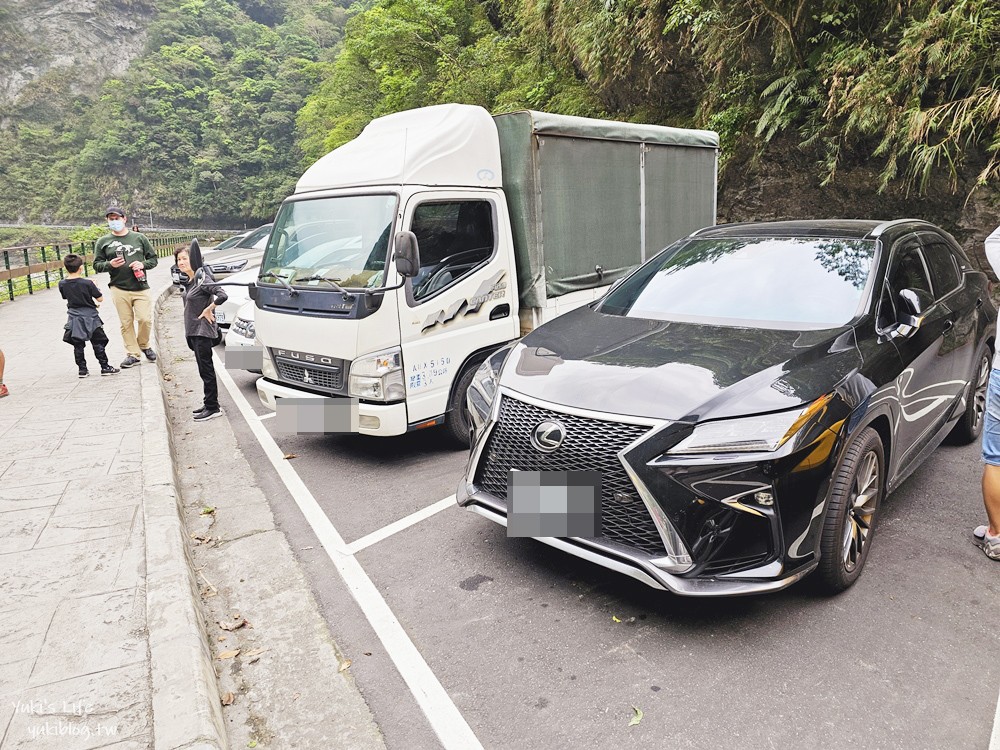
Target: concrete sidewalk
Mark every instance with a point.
(101, 640)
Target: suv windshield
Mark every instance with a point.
(766, 282)
(343, 240)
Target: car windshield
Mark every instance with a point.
(254, 238)
(343, 240)
(766, 282)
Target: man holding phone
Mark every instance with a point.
(126, 256)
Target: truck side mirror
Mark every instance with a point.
(407, 254)
(252, 290)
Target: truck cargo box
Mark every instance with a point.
(591, 199)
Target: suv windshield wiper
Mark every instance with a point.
(331, 282)
(281, 280)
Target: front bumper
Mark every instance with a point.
(375, 419)
(698, 530)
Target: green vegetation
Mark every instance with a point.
(232, 98)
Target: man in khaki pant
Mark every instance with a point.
(126, 256)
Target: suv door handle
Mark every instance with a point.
(948, 325)
(979, 302)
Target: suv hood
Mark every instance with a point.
(677, 371)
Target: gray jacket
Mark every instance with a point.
(199, 293)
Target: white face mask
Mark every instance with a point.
(116, 225)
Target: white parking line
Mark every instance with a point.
(995, 741)
(443, 715)
(402, 523)
(269, 415)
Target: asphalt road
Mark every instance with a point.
(538, 649)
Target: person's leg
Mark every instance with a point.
(99, 341)
(123, 304)
(78, 354)
(143, 311)
(989, 537)
(3, 388)
(206, 369)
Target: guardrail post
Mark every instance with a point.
(27, 263)
(46, 262)
(10, 281)
(83, 252)
(59, 258)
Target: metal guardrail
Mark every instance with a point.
(25, 270)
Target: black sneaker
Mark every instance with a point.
(206, 414)
(109, 370)
(150, 354)
(130, 361)
(83, 373)
(199, 410)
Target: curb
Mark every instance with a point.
(187, 710)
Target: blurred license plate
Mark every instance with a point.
(553, 503)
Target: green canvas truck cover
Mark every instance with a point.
(591, 199)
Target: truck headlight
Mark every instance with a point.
(267, 369)
(378, 377)
(483, 389)
(762, 433)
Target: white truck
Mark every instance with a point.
(495, 224)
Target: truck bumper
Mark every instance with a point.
(374, 419)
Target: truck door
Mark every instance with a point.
(463, 299)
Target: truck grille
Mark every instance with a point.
(590, 444)
(313, 376)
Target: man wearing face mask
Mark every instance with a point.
(126, 256)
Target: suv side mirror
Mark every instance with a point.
(407, 254)
(911, 301)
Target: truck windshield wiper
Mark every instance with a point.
(281, 280)
(331, 282)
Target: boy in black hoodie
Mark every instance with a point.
(84, 324)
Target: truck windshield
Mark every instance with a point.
(343, 240)
(768, 282)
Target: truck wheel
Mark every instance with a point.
(970, 426)
(457, 423)
(855, 495)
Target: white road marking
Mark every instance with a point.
(269, 415)
(443, 715)
(995, 740)
(402, 523)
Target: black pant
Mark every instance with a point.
(99, 340)
(202, 348)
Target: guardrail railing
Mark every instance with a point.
(25, 270)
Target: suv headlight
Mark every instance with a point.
(230, 267)
(378, 377)
(483, 389)
(763, 433)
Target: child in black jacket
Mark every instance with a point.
(84, 324)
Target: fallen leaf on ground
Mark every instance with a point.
(291, 455)
(232, 625)
(221, 638)
(636, 718)
(254, 654)
(228, 654)
(615, 618)
(345, 665)
(207, 510)
(252, 743)
(368, 653)
(168, 377)
(227, 699)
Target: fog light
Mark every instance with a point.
(763, 498)
(369, 422)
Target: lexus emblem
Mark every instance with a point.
(305, 377)
(548, 435)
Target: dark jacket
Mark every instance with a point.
(199, 293)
